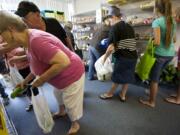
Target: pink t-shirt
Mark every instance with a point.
(43, 46)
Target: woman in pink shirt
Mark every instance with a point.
(52, 62)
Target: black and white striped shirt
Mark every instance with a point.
(122, 35)
(129, 44)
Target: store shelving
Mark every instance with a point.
(54, 14)
(83, 28)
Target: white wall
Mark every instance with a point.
(81, 6)
(42, 4)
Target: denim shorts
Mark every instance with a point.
(160, 64)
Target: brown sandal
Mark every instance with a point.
(122, 99)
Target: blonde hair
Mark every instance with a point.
(11, 20)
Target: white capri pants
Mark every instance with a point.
(72, 98)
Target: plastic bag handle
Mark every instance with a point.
(151, 42)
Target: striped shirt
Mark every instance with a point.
(129, 44)
(122, 35)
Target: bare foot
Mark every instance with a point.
(58, 115)
(173, 100)
(146, 102)
(74, 128)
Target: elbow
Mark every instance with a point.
(157, 42)
(59, 67)
(67, 62)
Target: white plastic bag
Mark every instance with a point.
(16, 77)
(104, 71)
(42, 112)
(2, 81)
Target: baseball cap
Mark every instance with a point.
(114, 11)
(25, 7)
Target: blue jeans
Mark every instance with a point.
(2, 91)
(93, 56)
(160, 64)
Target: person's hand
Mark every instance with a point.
(13, 60)
(38, 82)
(21, 85)
(103, 62)
(104, 59)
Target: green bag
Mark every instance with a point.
(146, 62)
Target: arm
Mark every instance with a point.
(29, 78)
(63, 35)
(59, 62)
(69, 44)
(26, 81)
(157, 36)
(174, 38)
(4, 49)
(109, 51)
(15, 59)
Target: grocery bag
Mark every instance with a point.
(146, 62)
(16, 77)
(42, 112)
(104, 71)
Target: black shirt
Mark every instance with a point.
(71, 36)
(55, 28)
(120, 32)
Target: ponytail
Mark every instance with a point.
(165, 8)
(169, 22)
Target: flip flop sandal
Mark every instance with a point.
(122, 99)
(105, 96)
(57, 116)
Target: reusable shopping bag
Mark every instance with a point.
(42, 112)
(104, 71)
(146, 62)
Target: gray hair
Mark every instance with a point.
(11, 20)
